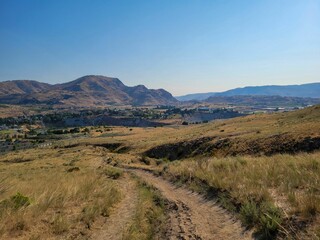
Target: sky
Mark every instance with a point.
(183, 46)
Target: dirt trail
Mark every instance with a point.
(193, 217)
(117, 223)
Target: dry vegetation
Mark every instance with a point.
(15, 110)
(53, 194)
(150, 220)
(278, 193)
(58, 193)
(264, 130)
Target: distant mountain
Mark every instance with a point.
(311, 90)
(22, 87)
(195, 96)
(262, 101)
(304, 90)
(87, 91)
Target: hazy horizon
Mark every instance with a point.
(182, 46)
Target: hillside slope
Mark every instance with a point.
(269, 134)
(86, 91)
(22, 87)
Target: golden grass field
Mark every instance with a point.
(59, 192)
(65, 192)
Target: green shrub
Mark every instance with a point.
(269, 220)
(249, 213)
(265, 216)
(19, 200)
(113, 173)
(16, 201)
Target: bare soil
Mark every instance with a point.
(193, 217)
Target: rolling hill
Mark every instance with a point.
(304, 90)
(91, 90)
(195, 96)
(22, 87)
(310, 90)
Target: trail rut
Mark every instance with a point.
(192, 216)
(117, 223)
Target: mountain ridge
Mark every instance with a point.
(297, 90)
(89, 90)
(22, 87)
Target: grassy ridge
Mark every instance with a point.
(261, 131)
(275, 194)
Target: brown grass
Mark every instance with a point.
(62, 203)
(242, 131)
(284, 188)
(276, 193)
(150, 218)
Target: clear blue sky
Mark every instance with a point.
(183, 46)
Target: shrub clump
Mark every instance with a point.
(113, 172)
(16, 201)
(20, 200)
(73, 169)
(265, 216)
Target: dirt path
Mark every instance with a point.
(193, 217)
(116, 224)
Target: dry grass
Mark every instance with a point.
(113, 172)
(272, 193)
(15, 110)
(62, 203)
(67, 189)
(150, 218)
(262, 127)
